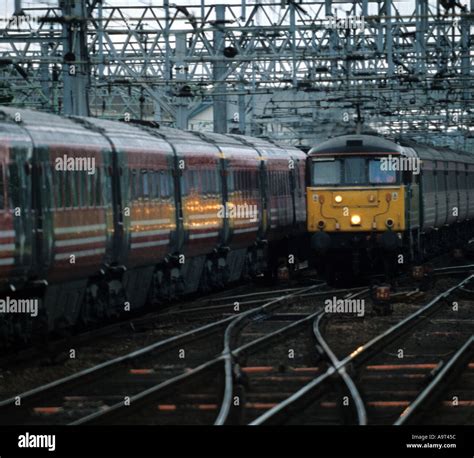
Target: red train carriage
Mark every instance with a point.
(69, 205)
(201, 230)
(145, 211)
(128, 215)
(16, 217)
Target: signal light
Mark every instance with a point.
(338, 199)
(417, 272)
(382, 293)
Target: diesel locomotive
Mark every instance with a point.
(378, 203)
(100, 218)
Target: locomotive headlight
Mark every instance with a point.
(355, 220)
(338, 199)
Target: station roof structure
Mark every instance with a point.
(293, 70)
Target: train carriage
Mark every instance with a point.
(16, 214)
(144, 220)
(158, 213)
(69, 205)
(201, 231)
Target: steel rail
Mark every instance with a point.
(98, 370)
(109, 365)
(357, 356)
(454, 269)
(95, 372)
(354, 392)
(160, 389)
(228, 356)
(259, 293)
(435, 387)
(232, 355)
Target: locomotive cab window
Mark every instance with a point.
(379, 175)
(326, 172)
(354, 170)
(358, 171)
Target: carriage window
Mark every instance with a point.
(60, 195)
(206, 182)
(440, 181)
(471, 180)
(280, 184)
(131, 182)
(157, 183)
(210, 182)
(379, 175)
(452, 181)
(83, 190)
(230, 181)
(74, 189)
(98, 196)
(164, 183)
(215, 181)
(184, 184)
(67, 190)
(146, 189)
(138, 185)
(190, 181)
(170, 181)
(2, 190)
(14, 182)
(326, 172)
(428, 181)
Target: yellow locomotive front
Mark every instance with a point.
(356, 200)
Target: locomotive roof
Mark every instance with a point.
(357, 144)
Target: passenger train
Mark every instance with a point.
(99, 218)
(373, 202)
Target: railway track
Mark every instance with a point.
(50, 349)
(169, 381)
(100, 392)
(353, 400)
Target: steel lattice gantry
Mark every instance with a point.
(291, 69)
